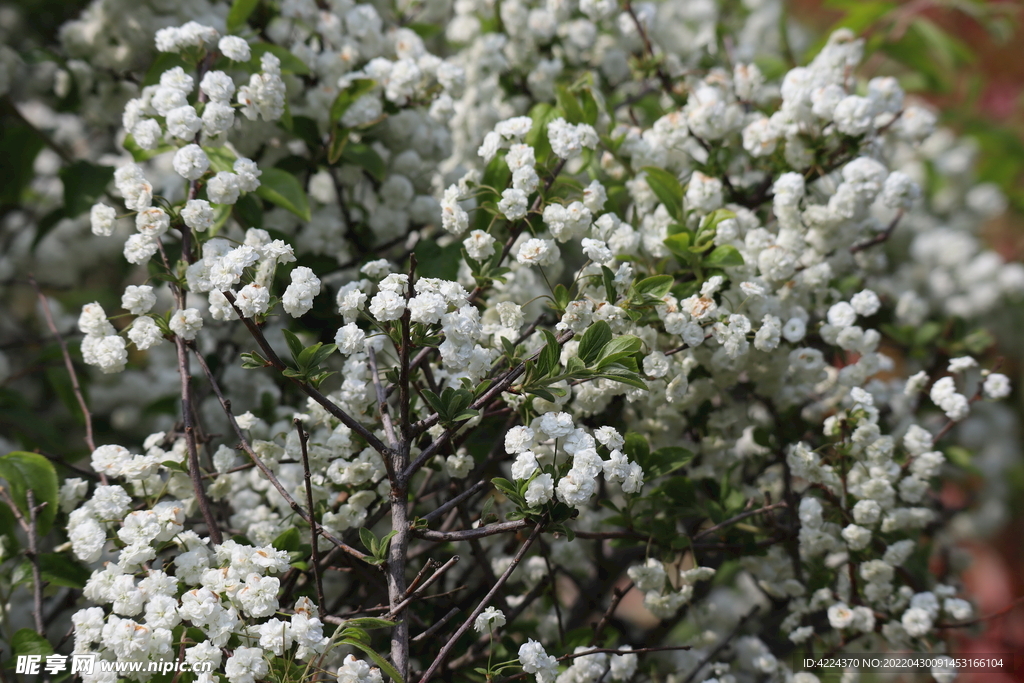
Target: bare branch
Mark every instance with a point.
(738, 518)
(313, 526)
(33, 556)
(329, 405)
(262, 466)
(67, 364)
(469, 534)
(446, 650)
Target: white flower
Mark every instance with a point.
(198, 214)
(186, 323)
(298, 297)
(387, 305)
(540, 491)
(350, 339)
(101, 219)
(511, 315)
(183, 122)
(93, 321)
(490, 618)
(245, 665)
(568, 141)
(218, 87)
(234, 48)
(917, 622)
(454, 218)
(538, 252)
(479, 245)
(223, 188)
(513, 204)
(355, 670)
(258, 595)
(152, 222)
(997, 386)
(140, 248)
(138, 299)
(525, 464)
(191, 162)
(247, 174)
(518, 439)
(961, 364)
(840, 615)
(252, 300)
(535, 660)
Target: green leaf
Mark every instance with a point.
(364, 156)
(239, 14)
(221, 158)
(24, 471)
(657, 286)
(668, 190)
(547, 361)
(665, 460)
(294, 345)
(617, 373)
(434, 260)
(561, 296)
(384, 664)
(593, 340)
(723, 257)
(356, 89)
(289, 540)
(679, 245)
(27, 642)
(609, 284)
(289, 62)
(84, 184)
(20, 144)
(636, 447)
(368, 539)
(61, 570)
(618, 348)
(165, 61)
(570, 104)
(282, 188)
(368, 623)
(139, 154)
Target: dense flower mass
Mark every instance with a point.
(575, 291)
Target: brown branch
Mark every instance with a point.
(617, 595)
(995, 615)
(262, 466)
(721, 645)
(880, 237)
(190, 436)
(67, 364)
(313, 526)
(29, 527)
(450, 645)
(329, 405)
(738, 518)
(437, 625)
(394, 611)
(437, 512)
(469, 534)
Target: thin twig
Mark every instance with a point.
(880, 237)
(437, 625)
(67, 363)
(738, 518)
(262, 466)
(721, 645)
(437, 512)
(190, 437)
(310, 391)
(447, 648)
(617, 595)
(33, 556)
(995, 615)
(469, 534)
(395, 611)
(314, 527)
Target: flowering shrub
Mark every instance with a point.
(577, 293)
